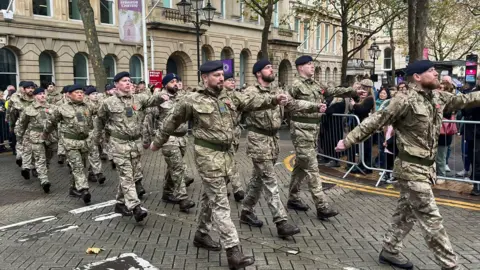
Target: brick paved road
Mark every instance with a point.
(352, 240)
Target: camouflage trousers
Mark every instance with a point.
(42, 155)
(176, 171)
(264, 179)
(78, 161)
(417, 203)
(306, 168)
(61, 151)
(215, 210)
(128, 169)
(26, 154)
(235, 178)
(94, 160)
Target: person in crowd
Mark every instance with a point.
(383, 96)
(466, 131)
(445, 138)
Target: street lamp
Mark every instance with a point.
(374, 53)
(185, 7)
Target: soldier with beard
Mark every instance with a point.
(213, 129)
(416, 116)
(263, 148)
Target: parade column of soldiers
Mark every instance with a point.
(89, 125)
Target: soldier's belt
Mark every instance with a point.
(265, 132)
(414, 159)
(179, 134)
(77, 137)
(37, 129)
(125, 137)
(213, 146)
(306, 120)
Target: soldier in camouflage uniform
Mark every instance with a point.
(416, 115)
(109, 91)
(119, 117)
(61, 152)
(17, 104)
(31, 124)
(76, 121)
(228, 93)
(213, 129)
(93, 99)
(262, 147)
(54, 96)
(304, 129)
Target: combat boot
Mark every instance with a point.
(101, 178)
(26, 174)
(188, 182)
(46, 187)
(61, 159)
(169, 198)
(121, 208)
(34, 173)
(74, 192)
(239, 195)
(236, 259)
(139, 187)
(86, 196)
(19, 162)
(297, 205)
(186, 204)
(326, 212)
(284, 229)
(397, 260)
(203, 240)
(92, 177)
(139, 214)
(247, 217)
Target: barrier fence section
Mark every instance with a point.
(4, 130)
(458, 152)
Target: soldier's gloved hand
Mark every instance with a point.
(340, 146)
(282, 99)
(153, 147)
(322, 107)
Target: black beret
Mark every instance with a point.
(302, 60)
(109, 87)
(38, 91)
(418, 67)
(28, 84)
(51, 83)
(90, 89)
(168, 78)
(211, 66)
(228, 75)
(141, 82)
(21, 83)
(74, 87)
(121, 75)
(259, 65)
(65, 88)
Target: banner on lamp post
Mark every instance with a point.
(228, 66)
(155, 76)
(130, 21)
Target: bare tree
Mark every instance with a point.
(94, 53)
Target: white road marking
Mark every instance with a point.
(92, 207)
(293, 252)
(106, 216)
(350, 268)
(48, 232)
(19, 224)
(130, 260)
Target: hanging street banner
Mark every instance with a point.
(228, 66)
(130, 20)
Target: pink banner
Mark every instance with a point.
(130, 20)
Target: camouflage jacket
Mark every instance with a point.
(263, 125)
(121, 116)
(54, 97)
(17, 103)
(416, 117)
(227, 95)
(213, 126)
(32, 122)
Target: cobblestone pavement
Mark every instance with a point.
(39, 231)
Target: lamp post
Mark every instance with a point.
(374, 53)
(185, 7)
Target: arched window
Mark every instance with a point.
(327, 75)
(387, 58)
(80, 69)
(47, 70)
(136, 71)
(8, 68)
(110, 67)
(335, 71)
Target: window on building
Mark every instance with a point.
(223, 9)
(327, 75)
(297, 28)
(42, 7)
(73, 11)
(334, 41)
(275, 15)
(8, 69)
(318, 37)
(306, 26)
(4, 4)
(327, 37)
(107, 11)
(45, 63)
(110, 67)
(387, 58)
(80, 69)
(136, 71)
(167, 3)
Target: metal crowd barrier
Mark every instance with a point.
(4, 130)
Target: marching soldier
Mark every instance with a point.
(53, 96)
(213, 129)
(76, 121)
(61, 152)
(119, 116)
(416, 116)
(304, 129)
(31, 124)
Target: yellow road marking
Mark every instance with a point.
(391, 193)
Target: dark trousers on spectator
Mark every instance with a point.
(474, 155)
